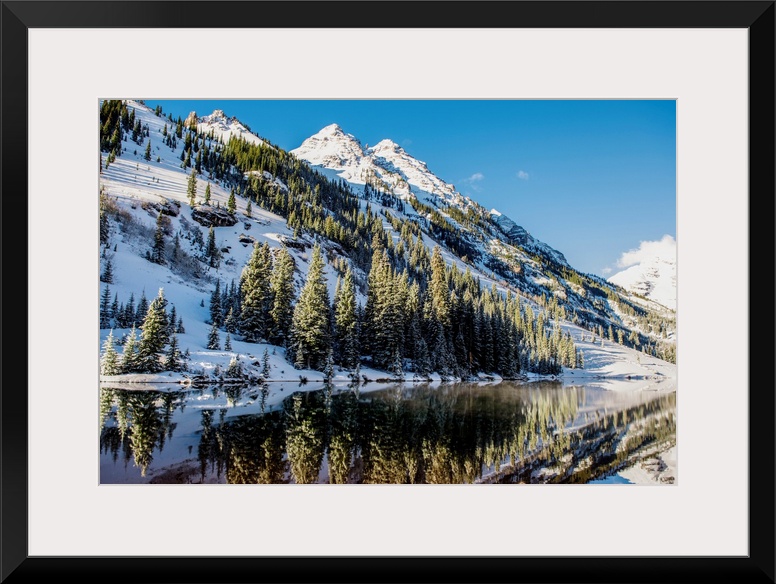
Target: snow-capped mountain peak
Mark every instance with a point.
(386, 145)
(331, 147)
(224, 127)
(650, 271)
(386, 166)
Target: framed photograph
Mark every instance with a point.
(200, 113)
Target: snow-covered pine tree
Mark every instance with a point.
(265, 370)
(155, 334)
(254, 287)
(109, 364)
(105, 309)
(282, 292)
(311, 324)
(345, 322)
(130, 361)
(213, 340)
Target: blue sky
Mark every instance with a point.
(591, 178)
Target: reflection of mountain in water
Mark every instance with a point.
(459, 433)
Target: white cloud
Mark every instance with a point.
(606, 271)
(666, 248)
(472, 181)
(522, 175)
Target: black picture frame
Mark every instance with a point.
(19, 16)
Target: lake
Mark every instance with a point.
(454, 433)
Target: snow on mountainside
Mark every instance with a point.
(389, 167)
(385, 165)
(651, 272)
(524, 239)
(223, 127)
(499, 247)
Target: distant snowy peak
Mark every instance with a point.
(386, 164)
(521, 237)
(388, 155)
(331, 148)
(653, 277)
(223, 127)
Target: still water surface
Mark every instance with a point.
(508, 432)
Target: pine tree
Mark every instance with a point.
(157, 252)
(172, 321)
(216, 315)
(110, 358)
(282, 293)
(176, 249)
(230, 322)
(328, 368)
(254, 288)
(128, 318)
(173, 357)
(265, 370)
(155, 334)
(213, 340)
(104, 225)
(248, 209)
(105, 309)
(130, 361)
(212, 253)
(396, 368)
(207, 194)
(107, 273)
(192, 187)
(231, 205)
(228, 343)
(311, 324)
(142, 309)
(437, 315)
(147, 154)
(179, 329)
(345, 322)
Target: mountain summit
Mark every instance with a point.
(386, 167)
(650, 271)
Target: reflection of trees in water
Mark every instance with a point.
(416, 434)
(401, 435)
(602, 447)
(305, 423)
(140, 423)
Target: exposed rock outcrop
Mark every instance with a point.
(206, 216)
